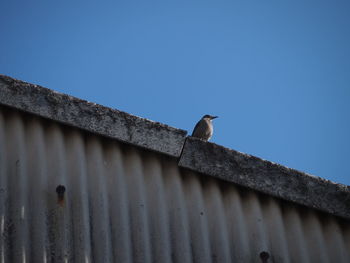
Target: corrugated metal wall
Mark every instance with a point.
(124, 204)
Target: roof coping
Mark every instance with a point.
(265, 176)
(91, 116)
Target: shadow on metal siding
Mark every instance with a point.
(123, 204)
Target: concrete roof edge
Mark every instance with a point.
(266, 177)
(91, 117)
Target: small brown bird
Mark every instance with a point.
(204, 128)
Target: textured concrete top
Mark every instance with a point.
(90, 116)
(266, 177)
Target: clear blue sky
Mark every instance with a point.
(277, 73)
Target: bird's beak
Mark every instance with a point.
(214, 117)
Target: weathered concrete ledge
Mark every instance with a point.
(90, 116)
(266, 177)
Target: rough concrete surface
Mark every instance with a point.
(90, 116)
(266, 177)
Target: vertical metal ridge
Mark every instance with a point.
(258, 240)
(346, 239)
(334, 243)
(59, 218)
(276, 230)
(198, 223)
(98, 200)
(118, 203)
(138, 207)
(217, 226)
(4, 193)
(17, 183)
(314, 237)
(37, 180)
(237, 227)
(295, 235)
(157, 212)
(77, 191)
(180, 237)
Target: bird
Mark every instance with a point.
(204, 128)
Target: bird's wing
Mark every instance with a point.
(196, 128)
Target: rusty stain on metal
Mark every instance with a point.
(60, 190)
(264, 256)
